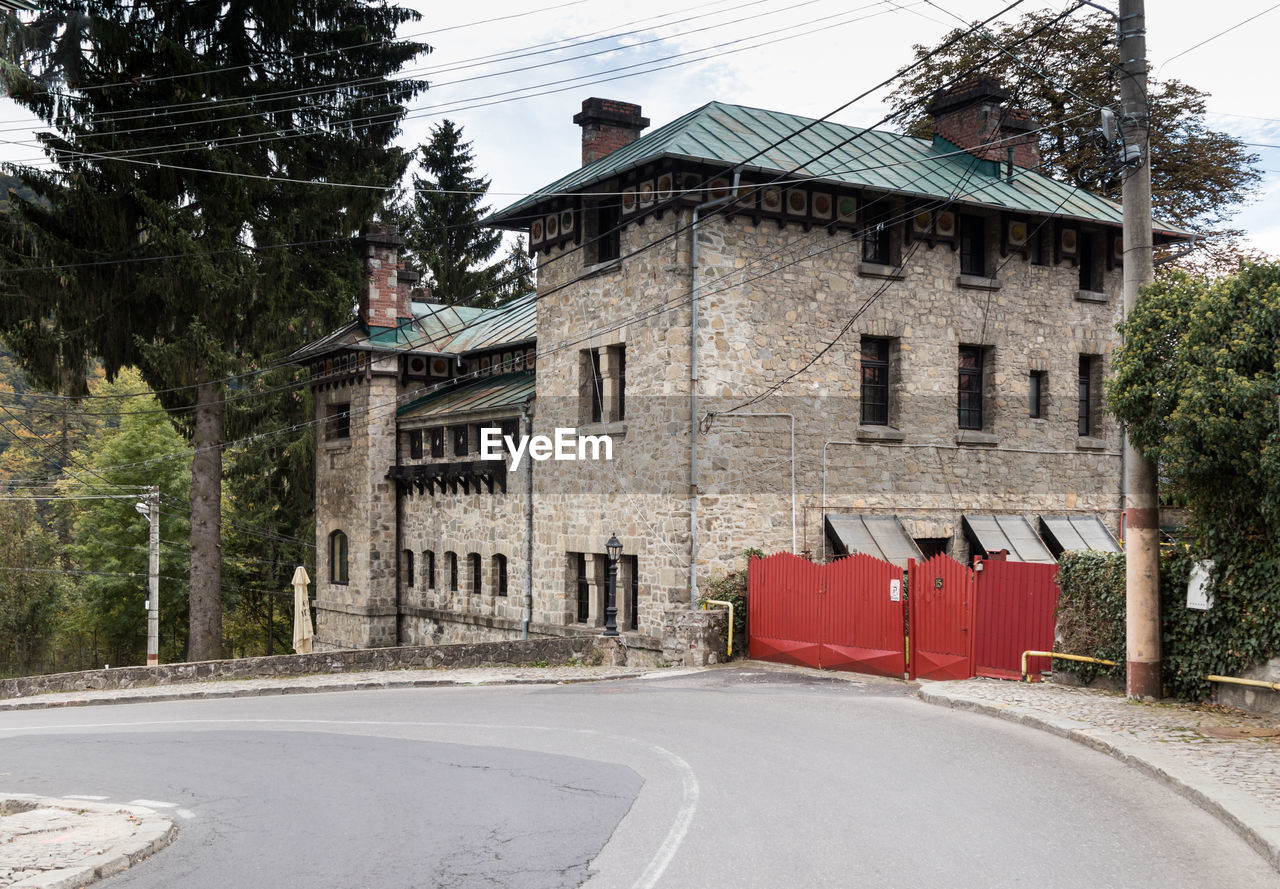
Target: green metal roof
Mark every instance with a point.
(484, 394)
(739, 137)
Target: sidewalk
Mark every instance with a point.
(64, 844)
(1225, 761)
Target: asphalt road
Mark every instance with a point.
(733, 778)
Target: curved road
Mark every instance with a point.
(729, 778)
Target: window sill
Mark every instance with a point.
(1088, 443)
(881, 270)
(880, 433)
(601, 268)
(974, 437)
(336, 444)
(978, 282)
(1091, 296)
(613, 430)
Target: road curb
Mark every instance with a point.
(152, 833)
(1240, 812)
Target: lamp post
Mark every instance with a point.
(614, 549)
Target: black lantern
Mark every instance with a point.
(614, 548)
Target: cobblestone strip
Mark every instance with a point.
(65, 844)
(1235, 779)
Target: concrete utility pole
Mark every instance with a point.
(1142, 506)
(150, 507)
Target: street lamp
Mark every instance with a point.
(614, 549)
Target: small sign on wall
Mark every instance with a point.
(1199, 595)
(895, 590)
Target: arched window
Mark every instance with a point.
(337, 557)
(474, 559)
(500, 574)
(451, 565)
(429, 560)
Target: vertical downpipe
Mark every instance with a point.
(395, 492)
(527, 423)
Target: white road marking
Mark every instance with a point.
(185, 813)
(86, 796)
(679, 825)
(152, 804)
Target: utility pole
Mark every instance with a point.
(150, 507)
(1142, 505)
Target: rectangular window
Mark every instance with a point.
(437, 441)
(338, 557)
(415, 444)
(474, 560)
(584, 590)
(608, 236)
(1035, 246)
(459, 441)
(597, 388)
(1090, 268)
(877, 240)
(969, 399)
(429, 558)
(451, 563)
(338, 423)
(1085, 388)
(500, 574)
(1035, 405)
(620, 357)
(973, 246)
(634, 602)
(875, 381)
(408, 569)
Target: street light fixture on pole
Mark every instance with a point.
(614, 549)
(150, 507)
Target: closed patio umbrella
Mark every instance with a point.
(302, 629)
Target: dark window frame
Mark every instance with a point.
(875, 381)
(969, 406)
(338, 422)
(429, 560)
(1084, 397)
(584, 591)
(339, 558)
(500, 574)
(460, 439)
(877, 232)
(408, 568)
(973, 245)
(437, 441)
(415, 444)
(1035, 394)
(634, 622)
(473, 563)
(451, 563)
(597, 386)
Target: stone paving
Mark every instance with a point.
(1225, 760)
(62, 844)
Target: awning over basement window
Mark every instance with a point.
(992, 533)
(881, 536)
(1077, 532)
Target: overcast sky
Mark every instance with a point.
(804, 57)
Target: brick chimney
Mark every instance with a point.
(383, 302)
(972, 115)
(607, 125)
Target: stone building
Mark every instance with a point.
(796, 335)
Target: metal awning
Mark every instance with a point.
(1077, 532)
(881, 536)
(992, 533)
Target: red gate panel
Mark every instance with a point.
(784, 609)
(1017, 609)
(863, 617)
(940, 605)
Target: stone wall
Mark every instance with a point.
(1253, 699)
(556, 650)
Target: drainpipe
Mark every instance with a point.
(693, 389)
(792, 418)
(527, 422)
(395, 486)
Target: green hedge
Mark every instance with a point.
(1240, 630)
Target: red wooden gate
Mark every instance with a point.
(847, 615)
(1017, 609)
(941, 592)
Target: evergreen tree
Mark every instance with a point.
(442, 227)
(191, 224)
(518, 273)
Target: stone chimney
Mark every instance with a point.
(383, 302)
(972, 116)
(607, 125)
(407, 281)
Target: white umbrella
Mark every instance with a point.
(302, 630)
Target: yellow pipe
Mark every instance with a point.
(1066, 657)
(1256, 683)
(729, 605)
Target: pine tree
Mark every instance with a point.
(190, 225)
(442, 227)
